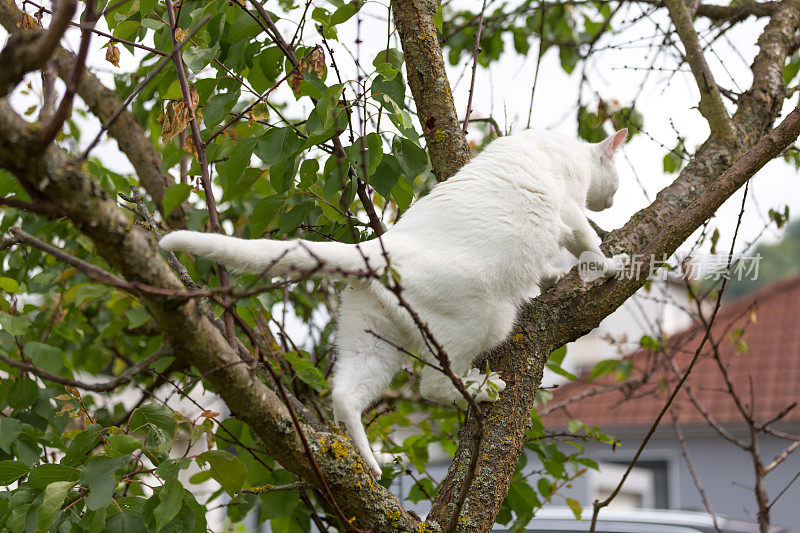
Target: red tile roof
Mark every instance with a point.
(770, 368)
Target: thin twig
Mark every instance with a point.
(476, 50)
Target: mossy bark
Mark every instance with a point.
(447, 146)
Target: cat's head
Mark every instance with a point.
(604, 180)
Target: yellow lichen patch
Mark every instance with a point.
(338, 448)
(439, 136)
(518, 337)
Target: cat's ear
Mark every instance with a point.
(611, 144)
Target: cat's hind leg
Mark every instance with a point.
(364, 368)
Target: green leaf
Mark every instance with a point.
(561, 372)
(8, 284)
(602, 368)
(307, 371)
(394, 88)
(45, 356)
(10, 471)
(576, 507)
(575, 426)
(292, 219)
(545, 487)
(175, 195)
(99, 476)
(218, 106)
(81, 445)
(126, 29)
(226, 469)
(557, 357)
(45, 474)
(23, 393)
(308, 173)
(263, 213)
(327, 105)
(412, 159)
(54, 496)
(231, 171)
(170, 500)
(345, 12)
(122, 445)
(278, 144)
(10, 428)
(153, 415)
(125, 522)
(650, 343)
(197, 57)
(15, 325)
(385, 176)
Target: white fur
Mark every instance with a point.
(468, 254)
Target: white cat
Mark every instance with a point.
(468, 255)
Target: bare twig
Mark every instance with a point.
(106, 386)
(476, 50)
(51, 128)
(202, 160)
(711, 105)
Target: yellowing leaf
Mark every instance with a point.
(576, 507)
(112, 54)
(180, 35)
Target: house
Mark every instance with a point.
(754, 350)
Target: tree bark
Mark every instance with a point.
(427, 77)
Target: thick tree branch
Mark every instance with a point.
(126, 130)
(427, 78)
(711, 105)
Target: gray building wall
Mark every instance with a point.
(725, 471)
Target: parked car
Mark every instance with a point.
(562, 520)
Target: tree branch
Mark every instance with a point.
(105, 386)
(27, 51)
(126, 130)
(427, 78)
(711, 105)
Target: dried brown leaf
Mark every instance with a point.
(112, 54)
(209, 414)
(316, 61)
(297, 78)
(190, 148)
(26, 22)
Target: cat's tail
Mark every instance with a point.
(280, 258)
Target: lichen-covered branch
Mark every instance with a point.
(711, 105)
(427, 78)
